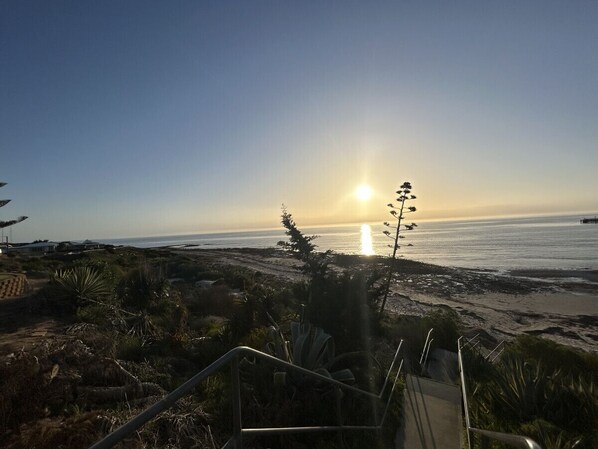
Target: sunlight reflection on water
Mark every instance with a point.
(367, 246)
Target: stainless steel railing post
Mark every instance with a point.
(464, 391)
(236, 398)
(339, 415)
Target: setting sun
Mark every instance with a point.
(363, 192)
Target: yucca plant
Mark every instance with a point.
(397, 211)
(81, 284)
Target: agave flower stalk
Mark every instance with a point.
(404, 193)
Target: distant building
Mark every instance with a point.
(39, 248)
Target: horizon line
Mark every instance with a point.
(349, 223)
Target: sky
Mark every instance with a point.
(121, 119)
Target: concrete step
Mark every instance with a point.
(431, 415)
(443, 366)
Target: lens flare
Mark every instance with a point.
(363, 192)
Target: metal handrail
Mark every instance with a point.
(236, 440)
(518, 441)
(498, 349)
(424, 356)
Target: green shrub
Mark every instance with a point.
(555, 356)
(550, 436)
(522, 394)
(213, 301)
(343, 305)
(447, 328)
(94, 313)
(130, 347)
(142, 288)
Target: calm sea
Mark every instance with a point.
(559, 242)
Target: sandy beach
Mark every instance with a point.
(555, 304)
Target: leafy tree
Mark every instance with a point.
(339, 303)
(301, 246)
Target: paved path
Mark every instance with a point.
(432, 415)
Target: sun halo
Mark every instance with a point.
(363, 192)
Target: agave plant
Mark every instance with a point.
(312, 349)
(397, 212)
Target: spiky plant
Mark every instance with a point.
(5, 224)
(81, 284)
(521, 389)
(397, 212)
(551, 436)
(312, 349)
(142, 289)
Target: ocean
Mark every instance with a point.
(557, 242)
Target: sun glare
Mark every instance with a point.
(367, 246)
(363, 192)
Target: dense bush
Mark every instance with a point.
(540, 389)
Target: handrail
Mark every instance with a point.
(390, 369)
(424, 356)
(518, 441)
(498, 351)
(232, 356)
(473, 341)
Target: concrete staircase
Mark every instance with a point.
(432, 408)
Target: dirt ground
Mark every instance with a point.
(23, 326)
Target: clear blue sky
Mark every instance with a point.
(124, 118)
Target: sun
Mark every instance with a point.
(363, 192)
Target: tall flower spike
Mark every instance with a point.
(403, 196)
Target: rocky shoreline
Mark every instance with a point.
(561, 305)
